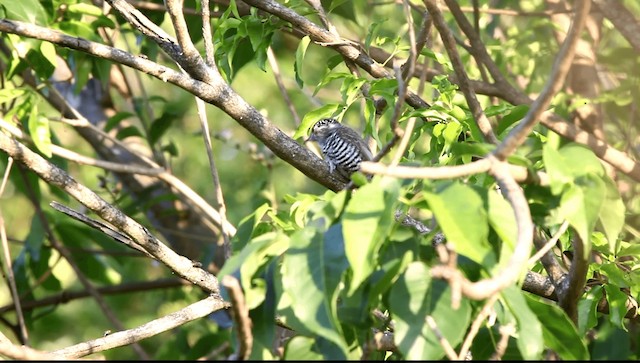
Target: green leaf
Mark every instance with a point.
(612, 214)
(529, 327)
(300, 52)
(569, 163)
(350, 89)
(558, 331)
(86, 9)
(30, 11)
(372, 33)
(617, 305)
(555, 165)
(8, 94)
(40, 131)
(302, 349)
(502, 219)
(128, 132)
(367, 220)
(588, 310)
(314, 116)
(160, 126)
(310, 280)
(517, 113)
(114, 120)
(48, 52)
(343, 8)
(460, 213)
(330, 77)
(414, 296)
(250, 261)
(581, 204)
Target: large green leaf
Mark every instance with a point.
(251, 260)
(577, 175)
(461, 215)
(502, 219)
(366, 223)
(30, 11)
(588, 310)
(558, 331)
(415, 296)
(612, 214)
(301, 348)
(530, 332)
(311, 273)
(617, 305)
(581, 204)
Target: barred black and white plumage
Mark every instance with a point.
(342, 147)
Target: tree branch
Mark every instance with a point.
(219, 94)
(624, 21)
(192, 312)
(556, 79)
(463, 80)
(59, 178)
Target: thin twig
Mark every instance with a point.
(444, 343)
(549, 245)
(207, 35)
(68, 295)
(192, 312)
(463, 80)
(240, 316)
(222, 208)
(505, 332)
(64, 251)
(102, 227)
(273, 63)
(487, 309)
(81, 159)
(59, 178)
(556, 79)
(24, 334)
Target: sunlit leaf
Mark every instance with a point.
(314, 116)
(612, 214)
(300, 52)
(30, 11)
(529, 327)
(557, 329)
(588, 309)
(414, 297)
(617, 305)
(366, 221)
(461, 215)
(40, 132)
(309, 282)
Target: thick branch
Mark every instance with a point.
(59, 178)
(558, 74)
(346, 48)
(624, 21)
(219, 94)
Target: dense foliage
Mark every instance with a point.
(501, 130)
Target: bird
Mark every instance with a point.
(342, 147)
